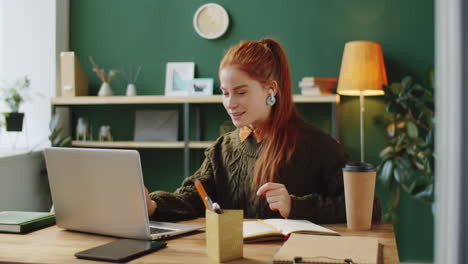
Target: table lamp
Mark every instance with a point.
(362, 74)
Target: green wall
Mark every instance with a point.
(151, 33)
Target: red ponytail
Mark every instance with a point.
(265, 60)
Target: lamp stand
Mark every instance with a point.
(361, 104)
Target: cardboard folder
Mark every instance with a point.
(73, 80)
(302, 248)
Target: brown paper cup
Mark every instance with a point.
(359, 184)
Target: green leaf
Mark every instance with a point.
(406, 82)
(396, 88)
(418, 186)
(429, 137)
(53, 122)
(403, 170)
(416, 90)
(426, 195)
(386, 172)
(55, 133)
(386, 152)
(391, 128)
(395, 108)
(411, 129)
(64, 142)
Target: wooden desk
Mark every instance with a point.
(55, 245)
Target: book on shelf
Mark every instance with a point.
(23, 222)
(302, 248)
(311, 90)
(280, 229)
(324, 84)
(320, 79)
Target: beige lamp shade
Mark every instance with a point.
(362, 69)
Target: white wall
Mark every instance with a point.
(32, 33)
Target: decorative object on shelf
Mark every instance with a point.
(226, 126)
(318, 85)
(179, 75)
(211, 21)
(83, 130)
(14, 94)
(154, 125)
(201, 87)
(73, 80)
(131, 77)
(362, 74)
(408, 160)
(105, 133)
(56, 137)
(105, 89)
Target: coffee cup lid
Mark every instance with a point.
(359, 167)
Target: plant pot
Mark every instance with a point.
(14, 121)
(105, 90)
(131, 90)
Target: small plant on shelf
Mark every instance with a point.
(14, 94)
(131, 77)
(106, 79)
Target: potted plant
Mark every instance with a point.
(408, 160)
(14, 94)
(106, 79)
(56, 138)
(131, 77)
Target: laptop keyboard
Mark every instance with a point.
(155, 230)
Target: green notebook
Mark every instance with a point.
(23, 222)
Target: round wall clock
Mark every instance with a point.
(211, 21)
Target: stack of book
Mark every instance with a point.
(24, 222)
(317, 85)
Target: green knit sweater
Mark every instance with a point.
(313, 179)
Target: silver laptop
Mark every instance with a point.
(101, 191)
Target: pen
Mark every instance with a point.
(205, 198)
(217, 208)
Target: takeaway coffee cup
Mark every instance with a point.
(359, 185)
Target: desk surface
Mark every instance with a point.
(55, 245)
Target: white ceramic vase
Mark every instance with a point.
(131, 90)
(105, 90)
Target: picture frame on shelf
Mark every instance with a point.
(178, 78)
(201, 87)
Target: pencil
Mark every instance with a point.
(201, 191)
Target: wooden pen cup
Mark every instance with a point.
(224, 239)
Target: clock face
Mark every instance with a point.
(211, 21)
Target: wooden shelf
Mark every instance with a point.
(160, 99)
(142, 144)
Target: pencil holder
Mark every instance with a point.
(224, 240)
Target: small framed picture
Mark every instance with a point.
(201, 87)
(178, 78)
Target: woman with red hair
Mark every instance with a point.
(274, 164)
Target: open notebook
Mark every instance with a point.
(280, 229)
(302, 248)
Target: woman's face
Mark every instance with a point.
(244, 98)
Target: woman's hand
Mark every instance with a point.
(150, 204)
(277, 197)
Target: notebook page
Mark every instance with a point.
(255, 228)
(288, 226)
